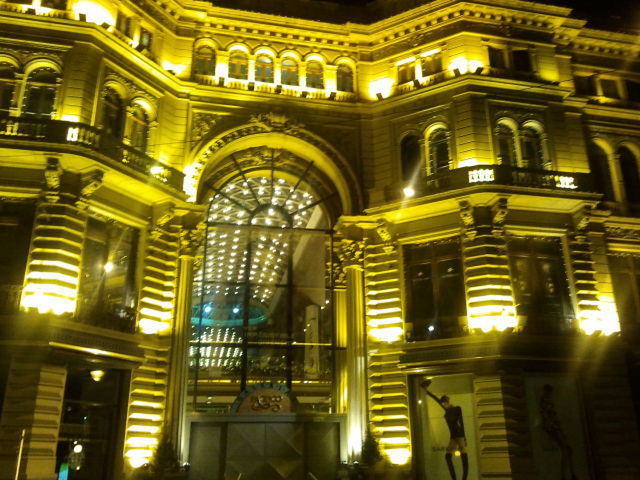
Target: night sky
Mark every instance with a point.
(618, 15)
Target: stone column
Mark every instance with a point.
(352, 254)
(178, 362)
(340, 378)
(33, 402)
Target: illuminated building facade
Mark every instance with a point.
(258, 234)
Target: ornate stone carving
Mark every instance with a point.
(203, 123)
(467, 218)
(89, 185)
(622, 232)
(52, 177)
(160, 220)
(499, 211)
(132, 88)
(191, 239)
(276, 122)
(351, 252)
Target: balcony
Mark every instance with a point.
(504, 175)
(81, 135)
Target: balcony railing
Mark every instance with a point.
(107, 315)
(80, 134)
(505, 175)
(10, 299)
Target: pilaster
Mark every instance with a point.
(33, 402)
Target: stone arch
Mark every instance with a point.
(278, 133)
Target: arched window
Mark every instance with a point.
(505, 139)
(439, 158)
(600, 172)
(204, 61)
(531, 148)
(139, 133)
(410, 157)
(264, 69)
(289, 72)
(40, 95)
(345, 78)
(262, 307)
(113, 114)
(314, 75)
(7, 86)
(238, 65)
(630, 174)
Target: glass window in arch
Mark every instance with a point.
(113, 114)
(40, 94)
(345, 78)
(7, 86)
(532, 156)
(289, 72)
(238, 65)
(262, 309)
(506, 145)
(264, 69)
(439, 151)
(139, 133)
(204, 61)
(315, 77)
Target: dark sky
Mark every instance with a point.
(609, 14)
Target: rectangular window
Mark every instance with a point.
(107, 294)
(633, 91)
(496, 58)
(435, 298)
(609, 88)
(540, 284)
(625, 276)
(522, 61)
(431, 64)
(585, 85)
(145, 39)
(406, 72)
(123, 24)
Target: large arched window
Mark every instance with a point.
(505, 138)
(600, 171)
(264, 69)
(289, 72)
(40, 94)
(439, 157)
(315, 77)
(262, 309)
(204, 61)
(531, 148)
(113, 115)
(7, 86)
(238, 65)
(345, 78)
(630, 174)
(139, 132)
(410, 158)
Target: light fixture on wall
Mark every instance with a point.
(97, 375)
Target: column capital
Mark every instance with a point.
(191, 239)
(351, 253)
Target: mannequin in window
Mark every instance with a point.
(458, 440)
(553, 428)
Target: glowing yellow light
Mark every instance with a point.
(567, 182)
(178, 69)
(139, 403)
(97, 375)
(138, 458)
(408, 192)
(143, 429)
(70, 118)
(389, 334)
(152, 327)
(404, 61)
(154, 417)
(77, 448)
(42, 299)
(592, 321)
(461, 64)
(468, 162)
(481, 175)
(142, 442)
(95, 12)
(381, 86)
(394, 441)
(35, 275)
(428, 53)
(398, 456)
(474, 65)
(491, 322)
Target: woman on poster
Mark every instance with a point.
(458, 440)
